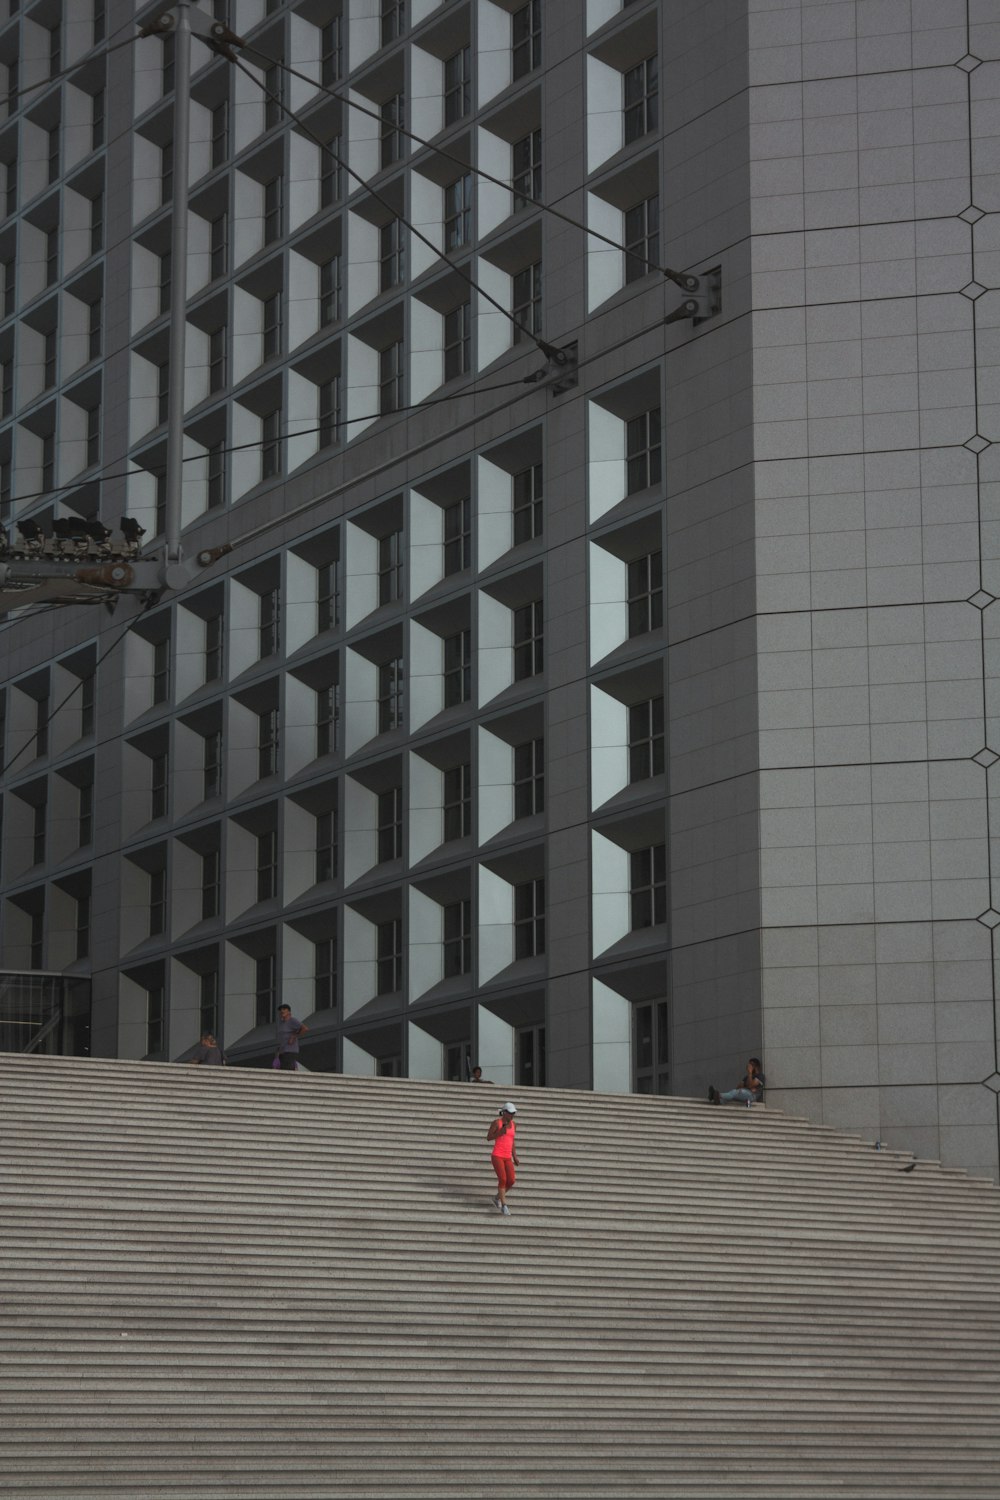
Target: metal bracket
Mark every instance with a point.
(559, 371)
(706, 301)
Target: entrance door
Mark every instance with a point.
(529, 1068)
(650, 1048)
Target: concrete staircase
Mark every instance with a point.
(250, 1284)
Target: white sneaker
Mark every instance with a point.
(504, 1209)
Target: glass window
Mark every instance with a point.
(642, 238)
(527, 169)
(211, 884)
(390, 567)
(529, 919)
(330, 52)
(216, 475)
(457, 536)
(329, 412)
(161, 670)
(642, 450)
(645, 594)
(457, 802)
(208, 1002)
(325, 974)
(95, 317)
(526, 301)
(157, 902)
(458, 212)
(641, 99)
(328, 595)
(218, 246)
(270, 453)
(217, 359)
(329, 291)
(267, 865)
(265, 989)
(97, 120)
(220, 133)
(392, 255)
(393, 20)
(645, 739)
(528, 641)
(156, 1020)
(648, 886)
(457, 939)
(331, 175)
(526, 38)
(457, 668)
(85, 814)
(391, 133)
(390, 825)
(212, 763)
(269, 622)
(529, 778)
(213, 647)
(267, 743)
(390, 695)
(272, 210)
(390, 383)
(328, 719)
(326, 845)
(158, 785)
(458, 341)
(389, 956)
(457, 91)
(167, 172)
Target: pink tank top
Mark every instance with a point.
(503, 1146)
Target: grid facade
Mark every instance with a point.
(490, 738)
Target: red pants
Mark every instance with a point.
(504, 1168)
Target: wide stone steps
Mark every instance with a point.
(230, 1283)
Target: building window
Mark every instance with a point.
(390, 695)
(457, 803)
(157, 902)
(457, 86)
(529, 919)
(161, 670)
(167, 172)
(53, 154)
(38, 833)
(160, 506)
(218, 246)
(326, 846)
(48, 461)
(330, 49)
(457, 939)
(391, 255)
(527, 169)
(457, 668)
(270, 454)
(7, 392)
(97, 121)
(211, 884)
(156, 1020)
(390, 379)
(390, 567)
(9, 287)
(526, 301)
(648, 886)
(641, 100)
(216, 359)
(529, 778)
(166, 279)
(213, 647)
(645, 739)
(391, 133)
(642, 238)
(390, 825)
(273, 111)
(457, 536)
(329, 291)
(393, 20)
(272, 210)
(162, 391)
(458, 212)
(83, 925)
(267, 865)
(645, 594)
(267, 743)
(216, 475)
(95, 316)
(331, 179)
(389, 957)
(528, 641)
(272, 326)
(50, 350)
(325, 975)
(208, 1002)
(10, 187)
(329, 412)
(642, 450)
(265, 989)
(328, 719)
(526, 38)
(528, 518)
(99, 21)
(52, 257)
(85, 814)
(55, 50)
(220, 133)
(212, 764)
(158, 785)
(328, 595)
(458, 341)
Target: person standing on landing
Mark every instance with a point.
(502, 1133)
(287, 1033)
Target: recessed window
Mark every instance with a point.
(157, 902)
(457, 802)
(162, 391)
(82, 948)
(167, 172)
(526, 38)
(390, 567)
(391, 142)
(208, 1003)
(95, 317)
(216, 475)
(272, 210)
(156, 1019)
(331, 175)
(220, 133)
(218, 245)
(52, 257)
(389, 956)
(457, 536)
(645, 594)
(389, 839)
(330, 49)
(641, 99)
(53, 154)
(457, 668)
(270, 453)
(329, 291)
(267, 743)
(326, 846)
(267, 865)
(328, 595)
(457, 86)
(158, 785)
(329, 412)
(393, 20)
(527, 173)
(458, 212)
(642, 450)
(38, 833)
(165, 281)
(528, 640)
(212, 763)
(328, 719)
(458, 341)
(87, 703)
(211, 884)
(642, 238)
(392, 255)
(85, 814)
(213, 647)
(269, 622)
(272, 326)
(216, 359)
(529, 919)
(325, 975)
(161, 670)
(648, 886)
(169, 62)
(645, 739)
(390, 695)
(526, 301)
(97, 120)
(529, 778)
(273, 79)
(390, 379)
(457, 939)
(265, 989)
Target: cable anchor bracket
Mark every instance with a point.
(559, 370)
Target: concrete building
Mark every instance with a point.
(604, 728)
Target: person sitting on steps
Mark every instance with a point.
(751, 1090)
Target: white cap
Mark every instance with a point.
(509, 1108)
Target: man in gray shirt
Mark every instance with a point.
(208, 1052)
(288, 1032)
